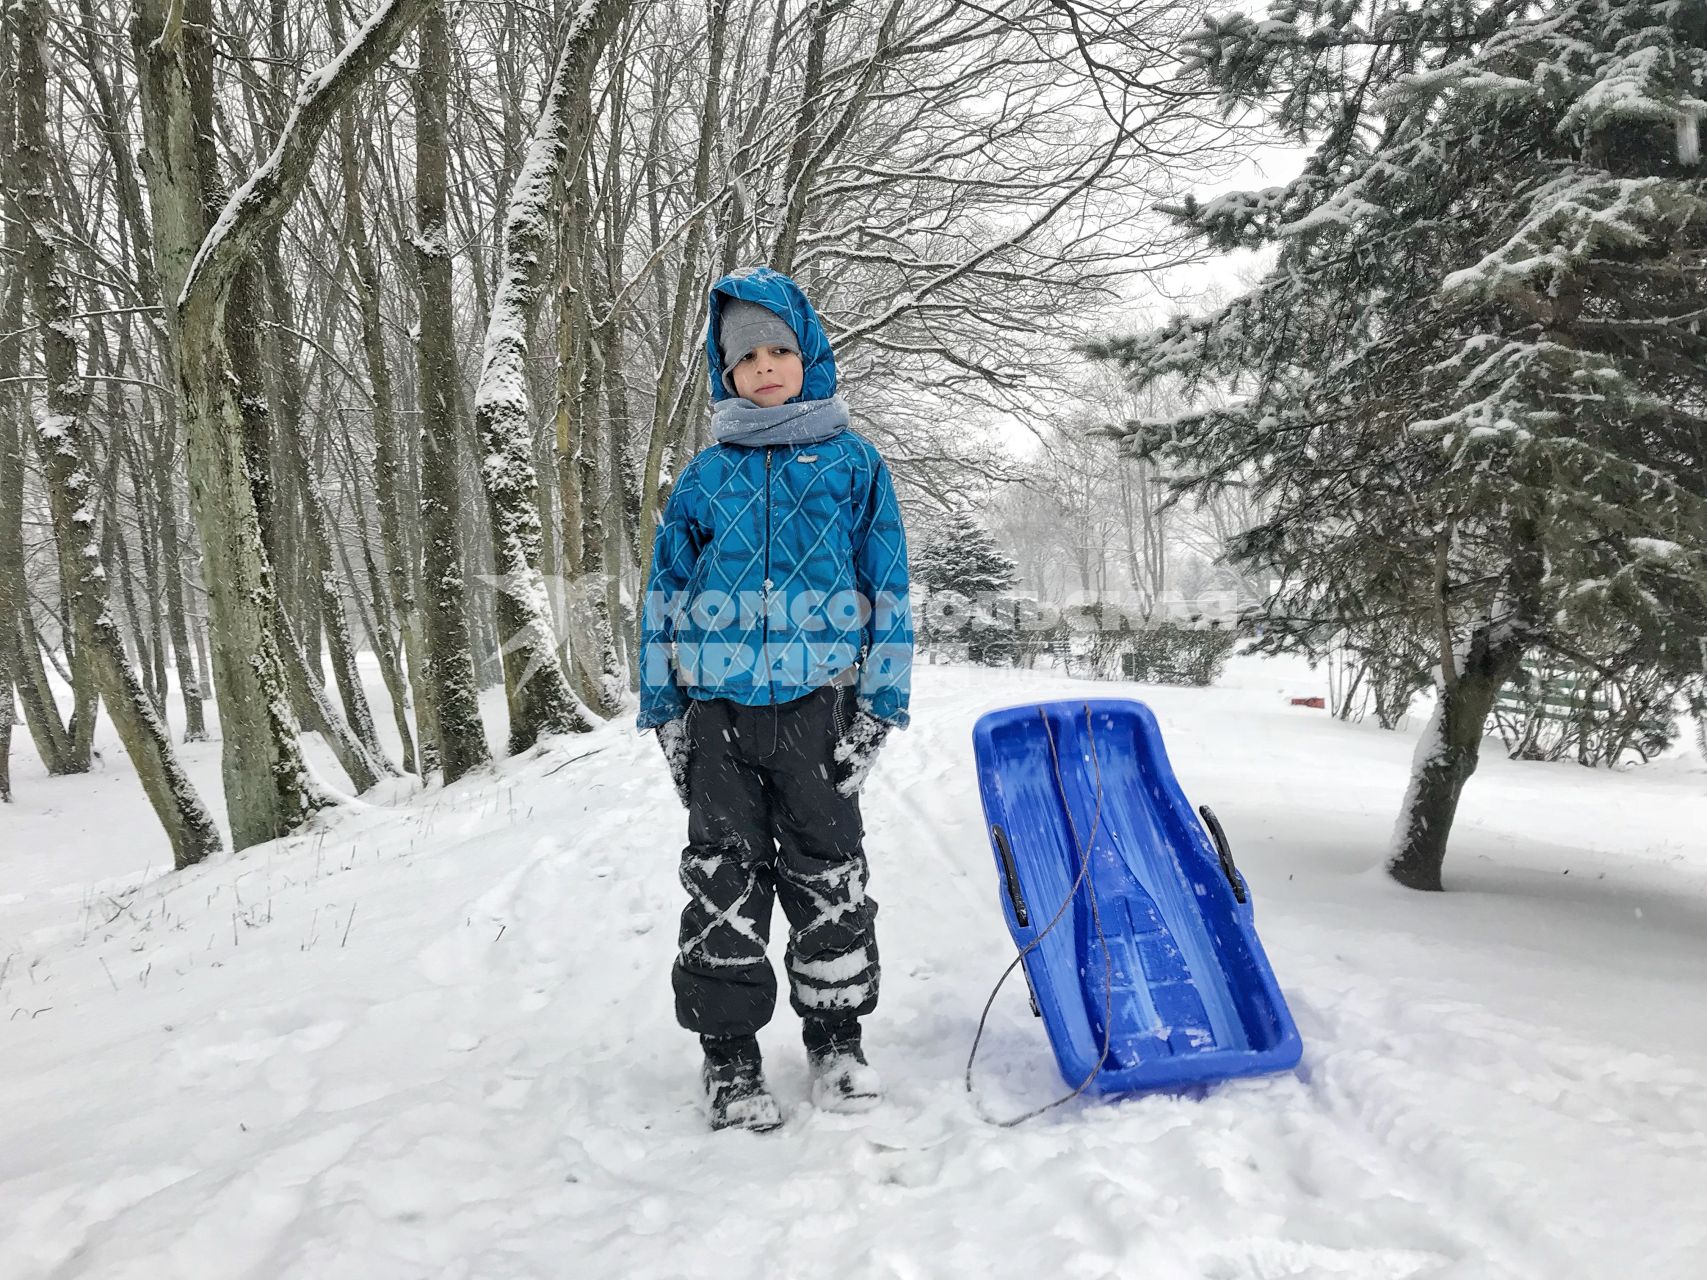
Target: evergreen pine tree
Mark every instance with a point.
(958, 554)
(1473, 384)
(963, 571)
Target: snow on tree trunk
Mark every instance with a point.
(11, 411)
(314, 708)
(387, 463)
(664, 438)
(599, 671)
(53, 739)
(171, 552)
(595, 672)
(540, 699)
(268, 792)
(450, 665)
(11, 528)
(597, 666)
(71, 490)
(357, 715)
(1447, 754)
(616, 672)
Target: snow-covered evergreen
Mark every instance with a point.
(959, 572)
(1473, 381)
(959, 554)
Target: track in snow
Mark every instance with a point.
(436, 1039)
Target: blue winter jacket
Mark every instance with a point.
(777, 568)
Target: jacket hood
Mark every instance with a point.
(776, 292)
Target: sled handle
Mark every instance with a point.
(1224, 851)
(1010, 873)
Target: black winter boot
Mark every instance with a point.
(734, 1081)
(842, 1080)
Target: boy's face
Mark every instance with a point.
(768, 376)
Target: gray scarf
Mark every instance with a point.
(740, 421)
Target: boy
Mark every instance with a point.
(776, 652)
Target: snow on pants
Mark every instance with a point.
(765, 821)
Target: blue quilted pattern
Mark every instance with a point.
(776, 568)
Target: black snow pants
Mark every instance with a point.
(765, 821)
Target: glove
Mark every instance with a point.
(673, 739)
(856, 750)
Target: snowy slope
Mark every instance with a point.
(434, 1036)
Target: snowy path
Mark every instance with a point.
(435, 1038)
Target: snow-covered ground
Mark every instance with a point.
(433, 1036)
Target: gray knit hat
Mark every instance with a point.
(745, 326)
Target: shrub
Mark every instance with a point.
(1171, 654)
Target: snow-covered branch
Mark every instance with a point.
(263, 199)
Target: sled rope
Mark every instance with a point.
(1084, 877)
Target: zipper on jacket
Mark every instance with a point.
(765, 599)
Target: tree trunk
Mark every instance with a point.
(265, 785)
(809, 151)
(373, 611)
(387, 462)
(188, 824)
(1447, 754)
(268, 792)
(61, 749)
(11, 412)
(171, 555)
(663, 441)
(116, 135)
(148, 543)
(382, 636)
(462, 738)
(313, 707)
(302, 670)
(85, 690)
(358, 715)
(198, 635)
(540, 700)
(794, 185)
(11, 521)
(621, 497)
(115, 547)
(589, 633)
(8, 715)
(163, 447)
(321, 568)
(618, 668)
(476, 544)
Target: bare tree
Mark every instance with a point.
(388, 462)
(63, 449)
(462, 737)
(539, 694)
(470, 342)
(268, 791)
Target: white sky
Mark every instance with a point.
(1267, 166)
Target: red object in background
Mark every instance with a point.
(1317, 703)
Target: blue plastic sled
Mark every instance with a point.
(1193, 996)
